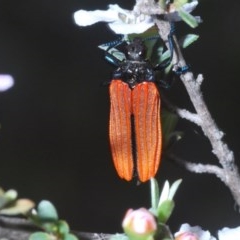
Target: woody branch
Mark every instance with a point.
(228, 172)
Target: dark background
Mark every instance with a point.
(54, 121)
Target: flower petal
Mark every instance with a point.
(229, 233)
(86, 18)
(6, 82)
(123, 28)
(120, 20)
(197, 231)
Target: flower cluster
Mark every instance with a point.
(123, 21)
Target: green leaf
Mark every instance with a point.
(40, 236)
(11, 195)
(8, 197)
(168, 69)
(188, 40)
(70, 236)
(165, 211)
(21, 206)
(164, 56)
(49, 227)
(46, 211)
(164, 193)
(179, 3)
(63, 227)
(188, 18)
(174, 187)
(154, 194)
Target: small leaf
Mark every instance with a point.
(164, 193)
(70, 236)
(46, 211)
(188, 40)
(63, 227)
(40, 236)
(165, 210)
(8, 197)
(188, 18)
(21, 206)
(168, 69)
(154, 194)
(11, 195)
(179, 3)
(49, 227)
(174, 188)
(166, 55)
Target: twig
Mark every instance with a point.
(183, 113)
(200, 168)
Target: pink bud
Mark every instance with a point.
(186, 236)
(186, 232)
(139, 223)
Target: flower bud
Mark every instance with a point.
(139, 224)
(186, 232)
(186, 236)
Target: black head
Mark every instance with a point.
(136, 50)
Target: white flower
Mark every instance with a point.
(6, 82)
(229, 233)
(196, 231)
(123, 21)
(120, 20)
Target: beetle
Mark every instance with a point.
(134, 124)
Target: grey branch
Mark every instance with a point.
(192, 117)
(200, 168)
(229, 173)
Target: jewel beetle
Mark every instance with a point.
(134, 124)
